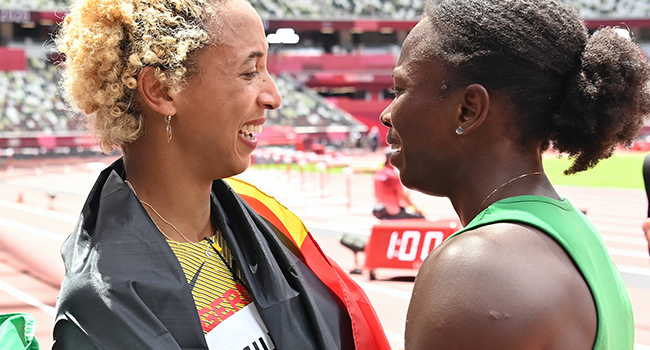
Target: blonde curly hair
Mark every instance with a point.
(107, 43)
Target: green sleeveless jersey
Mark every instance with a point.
(582, 242)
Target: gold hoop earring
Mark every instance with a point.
(168, 119)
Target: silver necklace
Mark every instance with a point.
(503, 185)
(168, 223)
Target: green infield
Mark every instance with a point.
(622, 170)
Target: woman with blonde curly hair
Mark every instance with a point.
(166, 254)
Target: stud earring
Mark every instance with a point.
(168, 119)
(460, 130)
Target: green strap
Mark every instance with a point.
(17, 332)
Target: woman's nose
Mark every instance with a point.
(384, 117)
(270, 97)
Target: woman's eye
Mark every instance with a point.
(251, 75)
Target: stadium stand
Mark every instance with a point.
(393, 9)
(30, 104)
(412, 9)
(34, 5)
(307, 118)
(30, 100)
(346, 53)
(597, 9)
(306, 110)
(341, 9)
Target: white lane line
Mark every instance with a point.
(385, 290)
(32, 230)
(397, 338)
(634, 270)
(26, 298)
(38, 211)
(622, 239)
(628, 253)
(641, 347)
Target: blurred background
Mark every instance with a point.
(332, 61)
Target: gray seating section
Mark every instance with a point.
(391, 9)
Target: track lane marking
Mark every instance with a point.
(39, 211)
(385, 290)
(26, 298)
(32, 230)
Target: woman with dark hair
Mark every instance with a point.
(483, 88)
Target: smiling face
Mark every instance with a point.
(422, 121)
(222, 107)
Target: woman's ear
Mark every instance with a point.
(154, 94)
(474, 107)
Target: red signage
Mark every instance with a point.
(12, 59)
(404, 244)
(79, 139)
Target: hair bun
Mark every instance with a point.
(606, 100)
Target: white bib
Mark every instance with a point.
(244, 330)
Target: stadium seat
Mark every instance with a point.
(30, 100)
(392, 9)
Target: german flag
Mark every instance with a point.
(367, 330)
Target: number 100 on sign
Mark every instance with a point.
(410, 245)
